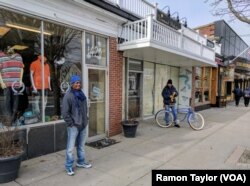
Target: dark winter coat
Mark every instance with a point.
(237, 92)
(167, 92)
(247, 93)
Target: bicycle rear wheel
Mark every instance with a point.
(160, 118)
(196, 121)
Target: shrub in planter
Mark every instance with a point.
(11, 150)
(130, 125)
(130, 128)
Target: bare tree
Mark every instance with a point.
(239, 9)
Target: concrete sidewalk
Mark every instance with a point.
(218, 146)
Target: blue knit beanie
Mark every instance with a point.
(74, 78)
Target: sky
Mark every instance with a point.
(198, 13)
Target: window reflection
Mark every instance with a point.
(63, 50)
(148, 89)
(21, 64)
(202, 84)
(97, 102)
(96, 50)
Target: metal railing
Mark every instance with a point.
(164, 34)
(140, 8)
(151, 30)
(136, 30)
(200, 38)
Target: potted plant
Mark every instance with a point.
(130, 125)
(11, 151)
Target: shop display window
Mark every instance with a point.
(198, 84)
(202, 84)
(96, 60)
(95, 50)
(28, 95)
(64, 52)
(148, 89)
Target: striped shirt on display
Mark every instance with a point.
(10, 68)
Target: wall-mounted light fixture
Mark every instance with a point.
(184, 21)
(177, 17)
(27, 28)
(168, 12)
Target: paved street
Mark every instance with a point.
(218, 146)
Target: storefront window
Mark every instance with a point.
(162, 75)
(185, 86)
(95, 50)
(198, 84)
(96, 58)
(134, 99)
(22, 90)
(148, 89)
(97, 90)
(63, 51)
(202, 84)
(19, 46)
(206, 78)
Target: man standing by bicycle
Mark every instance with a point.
(169, 93)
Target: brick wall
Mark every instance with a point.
(115, 88)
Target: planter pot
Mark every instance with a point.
(9, 168)
(129, 128)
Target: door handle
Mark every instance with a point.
(88, 103)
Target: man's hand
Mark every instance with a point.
(172, 96)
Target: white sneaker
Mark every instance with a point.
(70, 171)
(177, 122)
(84, 165)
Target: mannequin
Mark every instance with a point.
(11, 73)
(36, 81)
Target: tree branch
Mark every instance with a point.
(238, 14)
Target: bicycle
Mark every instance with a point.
(194, 119)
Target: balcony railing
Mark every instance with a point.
(153, 31)
(200, 38)
(140, 8)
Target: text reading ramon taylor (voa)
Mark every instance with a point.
(196, 177)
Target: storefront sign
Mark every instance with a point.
(167, 20)
(243, 65)
(228, 74)
(96, 92)
(210, 44)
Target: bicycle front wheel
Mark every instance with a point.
(196, 121)
(164, 118)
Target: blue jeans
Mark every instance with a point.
(78, 137)
(174, 112)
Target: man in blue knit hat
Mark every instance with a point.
(74, 111)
